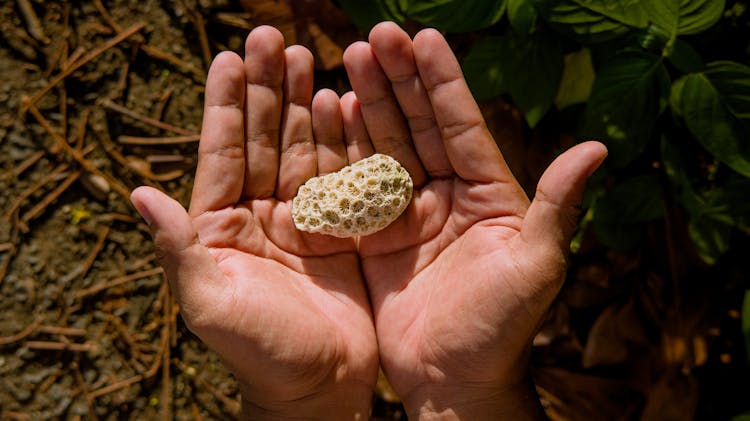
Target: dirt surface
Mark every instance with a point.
(88, 328)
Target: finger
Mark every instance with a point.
(328, 132)
(264, 71)
(221, 153)
(358, 145)
(383, 118)
(191, 270)
(471, 150)
(298, 159)
(393, 49)
(551, 219)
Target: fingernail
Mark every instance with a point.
(143, 210)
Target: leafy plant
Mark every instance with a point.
(628, 73)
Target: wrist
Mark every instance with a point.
(468, 402)
(342, 402)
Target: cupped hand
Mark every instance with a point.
(287, 311)
(460, 282)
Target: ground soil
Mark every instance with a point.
(88, 327)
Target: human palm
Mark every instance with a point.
(460, 282)
(286, 310)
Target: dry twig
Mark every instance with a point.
(28, 330)
(85, 390)
(27, 163)
(116, 185)
(117, 281)
(148, 120)
(169, 140)
(32, 21)
(59, 346)
(51, 197)
(127, 33)
(59, 330)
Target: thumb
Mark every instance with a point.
(189, 266)
(553, 215)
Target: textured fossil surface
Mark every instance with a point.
(360, 199)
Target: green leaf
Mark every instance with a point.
(716, 107)
(746, 415)
(675, 96)
(522, 16)
(456, 15)
(593, 20)
(619, 215)
(746, 327)
(684, 57)
(638, 199)
(529, 68)
(534, 73)
(629, 93)
(710, 237)
(714, 212)
(673, 162)
(483, 67)
(366, 14)
(684, 17)
(577, 79)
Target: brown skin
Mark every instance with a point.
(448, 297)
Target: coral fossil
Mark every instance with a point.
(360, 199)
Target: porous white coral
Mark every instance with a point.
(360, 199)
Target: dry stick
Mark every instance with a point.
(63, 110)
(85, 390)
(186, 67)
(122, 82)
(145, 173)
(48, 382)
(140, 262)
(148, 120)
(11, 253)
(32, 21)
(82, 269)
(167, 140)
(28, 330)
(14, 415)
(112, 151)
(77, 53)
(57, 58)
(54, 175)
(95, 252)
(195, 412)
(88, 166)
(199, 24)
(51, 197)
(59, 330)
(106, 16)
(42, 181)
(6, 246)
(150, 50)
(166, 159)
(116, 386)
(113, 216)
(59, 346)
(122, 330)
(231, 404)
(27, 163)
(81, 132)
(135, 379)
(79, 63)
(163, 101)
(117, 281)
